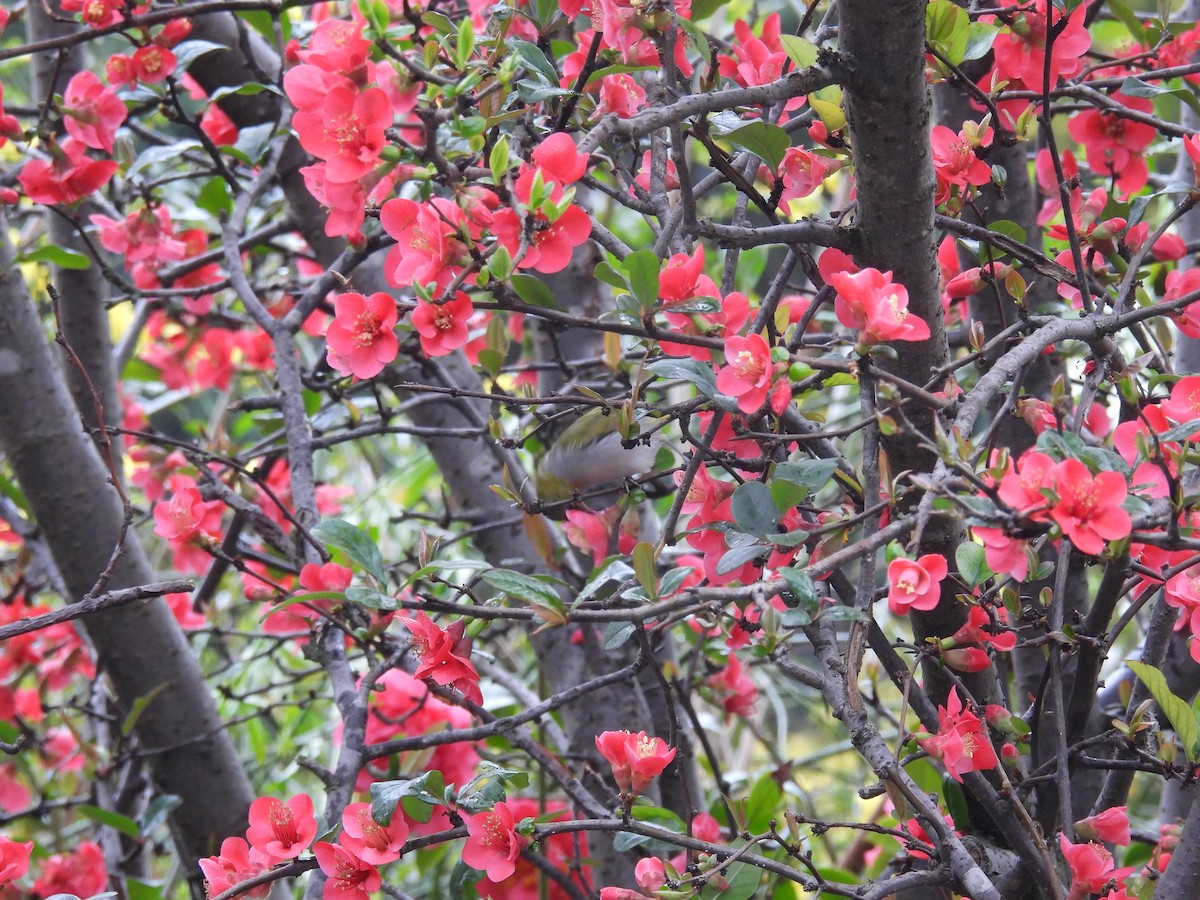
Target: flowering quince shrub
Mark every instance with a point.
(864, 415)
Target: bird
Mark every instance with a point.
(591, 453)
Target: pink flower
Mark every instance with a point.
(346, 130)
(370, 841)
(559, 160)
(346, 876)
(636, 759)
(281, 831)
(961, 743)
(235, 864)
(747, 373)
(428, 249)
(1089, 508)
(754, 60)
(444, 655)
(443, 326)
(650, 874)
(1111, 825)
(803, 173)
(916, 584)
(338, 46)
(92, 113)
(493, 844)
(872, 303)
(14, 859)
(361, 339)
(1022, 489)
(186, 516)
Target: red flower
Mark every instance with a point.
(733, 688)
(346, 876)
(916, 584)
(872, 303)
(1115, 144)
(754, 60)
(1184, 403)
(1111, 825)
(1022, 489)
(14, 859)
(68, 176)
(1020, 49)
(1089, 508)
(562, 851)
(961, 744)
(444, 655)
(443, 326)
(152, 64)
(367, 839)
(493, 844)
(92, 113)
(81, 873)
(636, 759)
(281, 831)
(1091, 867)
(361, 339)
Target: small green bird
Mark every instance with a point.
(588, 455)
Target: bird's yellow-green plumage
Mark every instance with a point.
(587, 455)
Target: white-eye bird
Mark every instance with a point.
(590, 454)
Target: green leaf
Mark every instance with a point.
(59, 256)
(139, 706)
(1135, 87)
(143, 890)
(800, 51)
(689, 370)
(524, 587)
(249, 89)
(121, 823)
(643, 267)
(979, 40)
(535, 61)
(617, 635)
(214, 197)
(370, 598)
(768, 142)
(533, 291)
(673, 579)
(158, 811)
(1174, 707)
(742, 880)
(252, 143)
(763, 803)
(698, 37)
(386, 794)
(643, 567)
(947, 29)
(802, 587)
(754, 510)
(811, 474)
(969, 560)
(354, 542)
(189, 51)
(741, 553)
